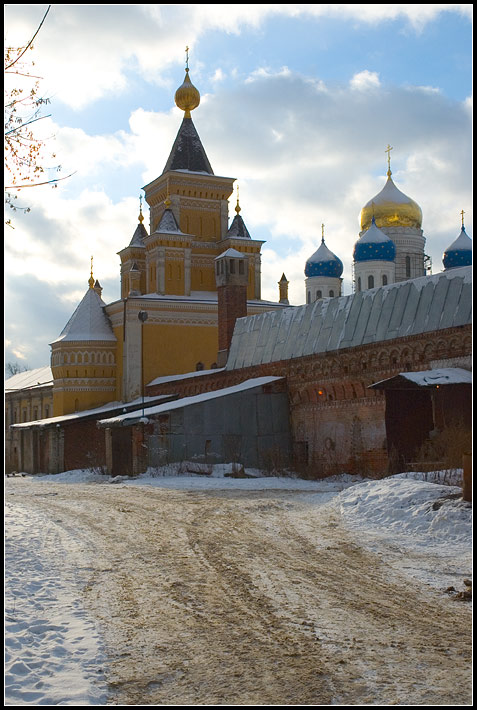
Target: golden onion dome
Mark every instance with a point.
(187, 97)
(391, 208)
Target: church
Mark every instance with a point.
(190, 322)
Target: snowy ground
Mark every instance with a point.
(419, 525)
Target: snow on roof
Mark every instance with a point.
(89, 321)
(429, 378)
(174, 378)
(38, 377)
(413, 307)
(189, 401)
(86, 413)
(231, 253)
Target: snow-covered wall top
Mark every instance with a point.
(421, 305)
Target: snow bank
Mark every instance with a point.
(408, 507)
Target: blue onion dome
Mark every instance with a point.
(459, 253)
(374, 245)
(324, 263)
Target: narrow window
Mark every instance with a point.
(370, 281)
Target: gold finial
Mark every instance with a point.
(322, 233)
(91, 279)
(462, 215)
(237, 209)
(141, 217)
(187, 97)
(388, 151)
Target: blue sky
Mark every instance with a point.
(298, 102)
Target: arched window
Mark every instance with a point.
(319, 295)
(359, 283)
(308, 297)
(370, 281)
(385, 280)
(408, 266)
(332, 294)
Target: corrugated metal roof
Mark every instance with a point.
(133, 417)
(413, 307)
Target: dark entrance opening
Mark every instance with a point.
(121, 451)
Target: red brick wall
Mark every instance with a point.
(232, 304)
(333, 413)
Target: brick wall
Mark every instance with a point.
(335, 418)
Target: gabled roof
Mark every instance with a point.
(88, 322)
(188, 152)
(168, 223)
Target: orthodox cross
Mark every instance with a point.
(388, 151)
(322, 233)
(187, 58)
(462, 215)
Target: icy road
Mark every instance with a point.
(248, 597)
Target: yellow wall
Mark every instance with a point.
(175, 349)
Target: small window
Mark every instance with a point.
(370, 281)
(308, 297)
(332, 294)
(241, 267)
(408, 266)
(385, 280)
(232, 266)
(319, 294)
(359, 283)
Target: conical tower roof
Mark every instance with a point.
(88, 322)
(188, 152)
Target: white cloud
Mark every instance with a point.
(88, 51)
(304, 153)
(364, 80)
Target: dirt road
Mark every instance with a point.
(251, 598)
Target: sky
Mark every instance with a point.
(298, 104)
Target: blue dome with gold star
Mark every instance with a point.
(323, 263)
(459, 253)
(374, 245)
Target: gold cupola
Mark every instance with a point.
(391, 207)
(187, 96)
